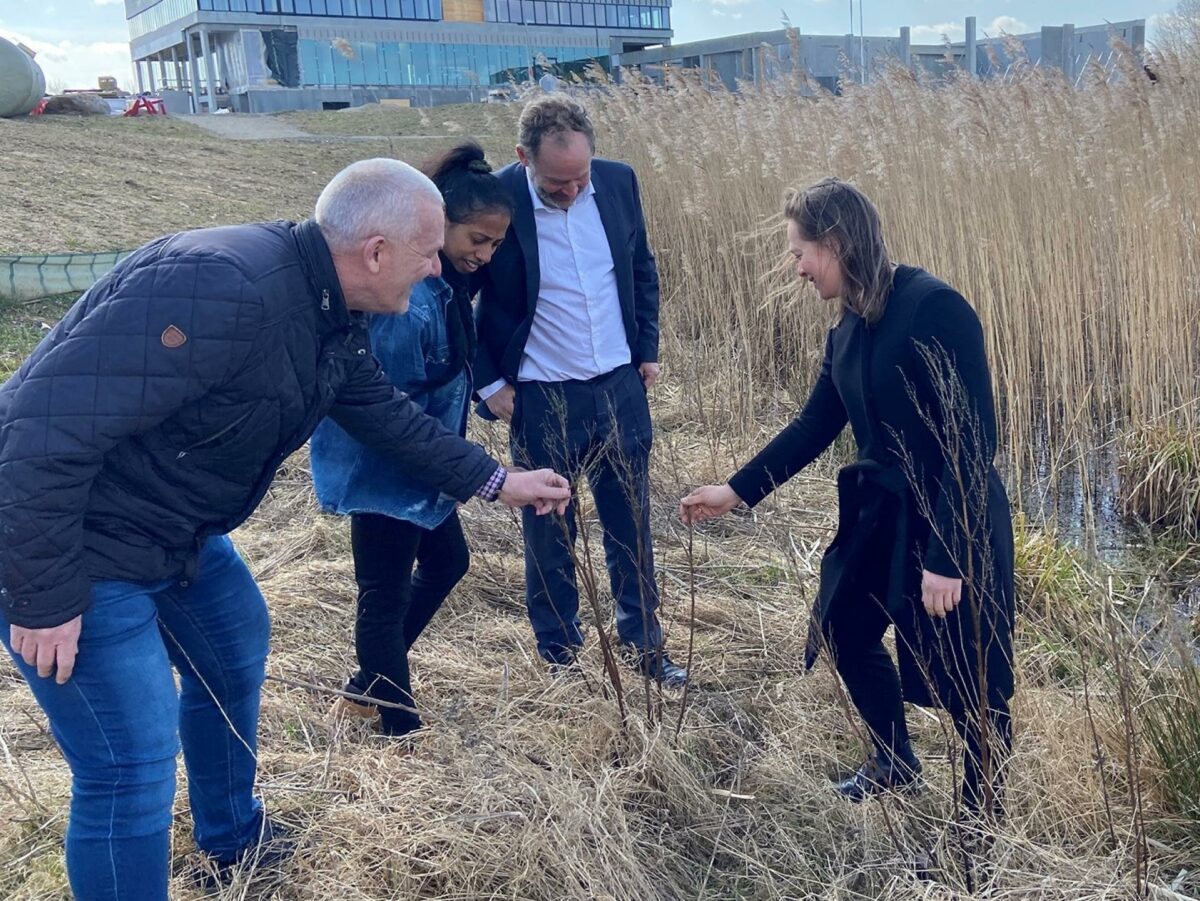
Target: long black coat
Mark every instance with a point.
(916, 390)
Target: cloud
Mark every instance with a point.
(1005, 25)
(77, 65)
(937, 34)
(956, 31)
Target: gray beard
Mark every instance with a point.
(550, 201)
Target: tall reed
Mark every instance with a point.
(1066, 213)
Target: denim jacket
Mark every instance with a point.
(414, 350)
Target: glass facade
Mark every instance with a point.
(420, 10)
(159, 15)
(405, 63)
(601, 14)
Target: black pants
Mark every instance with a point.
(855, 634)
(395, 603)
(599, 428)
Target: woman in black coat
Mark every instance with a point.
(924, 540)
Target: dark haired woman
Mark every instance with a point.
(395, 520)
(924, 541)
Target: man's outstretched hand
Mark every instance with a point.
(543, 489)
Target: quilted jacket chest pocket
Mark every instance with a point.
(240, 434)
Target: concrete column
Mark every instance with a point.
(178, 68)
(1051, 46)
(905, 46)
(150, 73)
(1068, 52)
(969, 59)
(137, 68)
(194, 73)
(210, 73)
(162, 71)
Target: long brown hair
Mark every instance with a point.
(842, 217)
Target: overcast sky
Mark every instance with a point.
(77, 40)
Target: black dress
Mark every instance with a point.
(925, 494)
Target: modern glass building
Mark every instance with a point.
(265, 55)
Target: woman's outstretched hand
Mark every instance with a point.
(939, 594)
(707, 503)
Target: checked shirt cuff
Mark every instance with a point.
(490, 490)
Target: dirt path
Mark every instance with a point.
(246, 127)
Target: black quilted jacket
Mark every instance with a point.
(158, 411)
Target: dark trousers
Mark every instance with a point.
(855, 634)
(599, 428)
(395, 603)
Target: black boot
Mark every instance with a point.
(263, 860)
(884, 771)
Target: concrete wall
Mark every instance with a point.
(275, 100)
(829, 58)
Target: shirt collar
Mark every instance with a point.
(539, 204)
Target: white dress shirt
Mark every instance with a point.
(577, 330)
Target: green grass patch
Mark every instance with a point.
(23, 325)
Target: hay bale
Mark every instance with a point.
(77, 105)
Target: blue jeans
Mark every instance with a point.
(599, 428)
(119, 722)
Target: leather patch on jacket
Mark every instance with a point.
(172, 337)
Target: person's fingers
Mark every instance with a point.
(16, 638)
(45, 659)
(66, 662)
(927, 601)
(29, 651)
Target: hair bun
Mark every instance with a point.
(480, 166)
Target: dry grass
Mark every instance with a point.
(526, 787)
(1065, 216)
(1160, 477)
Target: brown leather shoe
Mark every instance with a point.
(346, 709)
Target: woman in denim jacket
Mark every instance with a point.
(396, 520)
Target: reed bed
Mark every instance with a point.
(1066, 213)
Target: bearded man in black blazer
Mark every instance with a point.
(568, 348)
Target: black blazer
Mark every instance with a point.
(510, 283)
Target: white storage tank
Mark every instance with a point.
(22, 83)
